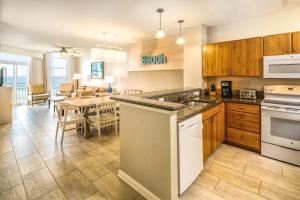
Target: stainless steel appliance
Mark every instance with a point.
(226, 88)
(280, 123)
(282, 66)
(248, 94)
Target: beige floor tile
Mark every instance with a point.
(272, 192)
(24, 150)
(114, 188)
(97, 196)
(233, 192)
(76, 186)
(50, 152)
(248, 183)
(5, 146)
(9, 177)
(207, 180)
(256, 160)
(30, 163)
(291, 172)
(226, 150)
(197, 192)
(56, 194)
(88, 146)
(39, 183)
(113, 166)
(91, 168)
(73, 151)
(105, 156)
(21, 140)
(228, 162)
(41, 141)
(7, 160)
(15, 193)
(60, 166)
(272, 178)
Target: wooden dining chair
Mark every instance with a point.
(65, 119)
(106, 115)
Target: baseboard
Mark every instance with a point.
(137, 186)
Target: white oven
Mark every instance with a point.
(280, 124)
(282, 66)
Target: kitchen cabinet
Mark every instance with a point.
(233, 58)
(296, 42)
(278, 44)
(246, 57)
(213, 132)
(243, 125)
(216, 59)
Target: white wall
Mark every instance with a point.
(192, 56)
(280, 22)
(20, 51)
(119, 71)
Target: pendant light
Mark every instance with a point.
(180, 40)
(160, 33)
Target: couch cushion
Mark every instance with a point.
(89, 89)
(66, 87)
(36, 89)
(39, 97)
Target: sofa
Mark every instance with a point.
(65, 89)
(88, 91)
(37, 93)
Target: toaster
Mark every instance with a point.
(248, 94)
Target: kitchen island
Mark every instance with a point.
(149, 137)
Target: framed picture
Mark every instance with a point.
(97, 70)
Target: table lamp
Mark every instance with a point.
(109, 80)
(76, 77)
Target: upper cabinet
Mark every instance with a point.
(296, 42)
(216, 58)
(278, 44)
(281, 44)
(246, 57)
(233, 58)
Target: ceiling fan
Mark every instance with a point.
(66, 51)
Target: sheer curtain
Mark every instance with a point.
(35, 71)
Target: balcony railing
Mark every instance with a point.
(21, 94)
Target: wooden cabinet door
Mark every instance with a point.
(238, 58)
(246, 57)
(215, 132)
(296, 42)
(222, 122)
(277, 44)
(216, 59)
(209, 59)
(254, 66)
(206, 138)
(223, 61)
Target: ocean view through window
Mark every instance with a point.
(59, 73)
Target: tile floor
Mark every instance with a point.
(33, 166)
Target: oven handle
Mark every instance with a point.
(278, 109)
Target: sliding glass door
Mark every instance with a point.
(16, 77)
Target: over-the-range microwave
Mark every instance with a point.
(282, 66)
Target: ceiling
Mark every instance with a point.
(45, 24)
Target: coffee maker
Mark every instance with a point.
(226, 89)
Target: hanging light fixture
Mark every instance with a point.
(160, 33)
(180, 40)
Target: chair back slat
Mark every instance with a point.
(62, 111)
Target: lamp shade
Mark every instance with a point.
(109, 79)
(76, 76)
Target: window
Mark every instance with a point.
(59, 72)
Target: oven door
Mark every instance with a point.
(281, 127)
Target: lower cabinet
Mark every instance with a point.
(243, 125)
(213, 132)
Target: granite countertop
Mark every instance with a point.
(212, 101)
(184, 111)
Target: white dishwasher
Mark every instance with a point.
(190, 151)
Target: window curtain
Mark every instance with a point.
(71, 68)
(35, 71)
(48, 70)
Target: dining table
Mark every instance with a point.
(85, 104)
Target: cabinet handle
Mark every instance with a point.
(232, 73)
(211, 120)
(241, 137)
(228, 73)
(241, 115)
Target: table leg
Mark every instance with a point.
(49, 103)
